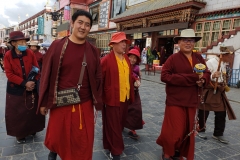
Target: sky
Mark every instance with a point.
(14, 11)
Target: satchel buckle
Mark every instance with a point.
(78, 87)
(84, 64)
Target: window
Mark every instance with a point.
(199, 27)
(226, 27)
(103, 41)
(216, 26)
(215, 31)
(197, 45)
(94, 13)
(117, 11)
(214, 36)
(236, 23)
(205, 39)
(207, 26)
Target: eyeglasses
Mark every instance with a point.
(188, 40)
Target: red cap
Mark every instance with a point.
(136, 53)
(118, 37)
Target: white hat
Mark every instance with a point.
(187, 33)
(32, 43)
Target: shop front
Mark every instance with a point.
(157, 22)
(63, 30)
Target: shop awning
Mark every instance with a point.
(153, 7)
(182, 25)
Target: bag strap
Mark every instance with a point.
(84, 64)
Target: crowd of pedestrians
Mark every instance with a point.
(75, 83)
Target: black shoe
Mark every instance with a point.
(176, 156)
(163, 158)
(133, 135)
(114, 157)
(33, 134)
(221, 139)
(52, 156)
(20, 141)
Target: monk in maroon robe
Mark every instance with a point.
(70, 132)
(39, 56)
(118, 92)
(182, 85)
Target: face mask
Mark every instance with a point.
(21, 48)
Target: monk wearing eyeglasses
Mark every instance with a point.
(182, 84)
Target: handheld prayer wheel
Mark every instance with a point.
(199, 68)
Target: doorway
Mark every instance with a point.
(141, 43)
(165, 46)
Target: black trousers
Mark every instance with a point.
(219, 122)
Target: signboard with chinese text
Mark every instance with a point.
(104, 15)
(40, 21)
(133, 2)
(137, 36)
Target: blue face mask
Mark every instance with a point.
(21, 48)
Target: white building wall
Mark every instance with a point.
(213, 5)
(2, 34)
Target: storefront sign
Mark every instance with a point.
(40, 21)
(168, 32)
(148, 42)
(104, 15)
(137, 36)
(64, 3)
(133, 2)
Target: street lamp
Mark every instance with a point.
(55, 15)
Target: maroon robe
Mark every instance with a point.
(115, 112)
(134, 117)
(182, 101)
(49, 77)
(70, 131)
(20, 113)
(39, 57)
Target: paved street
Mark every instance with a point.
(152, 93)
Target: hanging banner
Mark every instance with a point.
(104, 15)
(40, 21)
(66, 13)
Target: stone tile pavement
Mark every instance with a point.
(152, 93)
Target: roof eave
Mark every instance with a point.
(160, 10)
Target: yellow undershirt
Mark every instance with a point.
(124, 85)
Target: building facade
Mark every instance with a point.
(103, 28)
(217, 21)
(2, 35)
(155, 23)
(37, 27)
